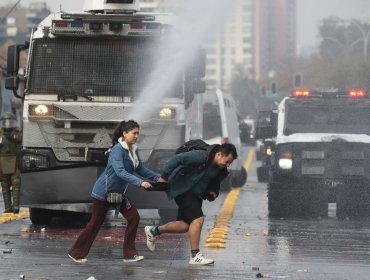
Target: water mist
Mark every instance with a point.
(194, 23)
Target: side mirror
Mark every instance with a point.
(266, 126)
(274, 122)
(12, 82)
(193, 87)
(197, 67)
(264, 132)
(13, 60)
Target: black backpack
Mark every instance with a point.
(195, 144)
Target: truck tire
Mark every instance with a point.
(40, 216)
(345, 203)
(315, 200)
(353, 202)
(284, 203)
(239, 178)
(263, 174)
(226, 184)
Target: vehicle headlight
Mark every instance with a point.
(35, 161)
(40, 110)
(268, 151)
(286, 163)
(167, 113)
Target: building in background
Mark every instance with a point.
(275, 35)
(18, 24)
(257, 39)
(232, 47)
(36, 12)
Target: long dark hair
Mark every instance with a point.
(123, 126)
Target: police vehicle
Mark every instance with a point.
(85, 70)
(320, 153)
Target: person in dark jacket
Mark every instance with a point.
(123, 161)
(193, 176)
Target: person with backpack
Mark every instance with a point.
(193, 175)
(123, 161)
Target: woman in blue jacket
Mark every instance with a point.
(123, 161)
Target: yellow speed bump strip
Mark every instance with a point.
(218, 235)
(7, 217)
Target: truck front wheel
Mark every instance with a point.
(263, 174)
(353, 201)
(239, 178)
(315, 199)
(39, 216)
(226, 184)
(284, 202)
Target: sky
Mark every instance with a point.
(309, 14)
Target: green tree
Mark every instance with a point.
(340, 63)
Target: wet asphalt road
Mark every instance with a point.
(255, 246)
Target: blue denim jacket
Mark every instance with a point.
(119, 171)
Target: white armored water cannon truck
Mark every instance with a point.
(84, 72)
(320, 142)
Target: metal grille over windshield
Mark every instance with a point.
(352, 119)
(91, 66)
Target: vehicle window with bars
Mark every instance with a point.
(328, 119)
(104, 67)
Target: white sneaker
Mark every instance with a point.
(199, 259)
(150, 238)
(77, 260)
(135, 258)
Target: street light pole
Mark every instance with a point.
(346, 47)
(365, 37)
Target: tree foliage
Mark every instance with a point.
(245, 91)
(342, 61)
(341, 39)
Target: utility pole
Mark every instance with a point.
(3, 19)
(365, 37)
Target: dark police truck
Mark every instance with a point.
(320, 154)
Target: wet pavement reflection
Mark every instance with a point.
(255, 247)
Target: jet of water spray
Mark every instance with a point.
(194, 23)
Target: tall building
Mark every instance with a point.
(17, 23)
(275, 34)
(232, 50)
(256, 39)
